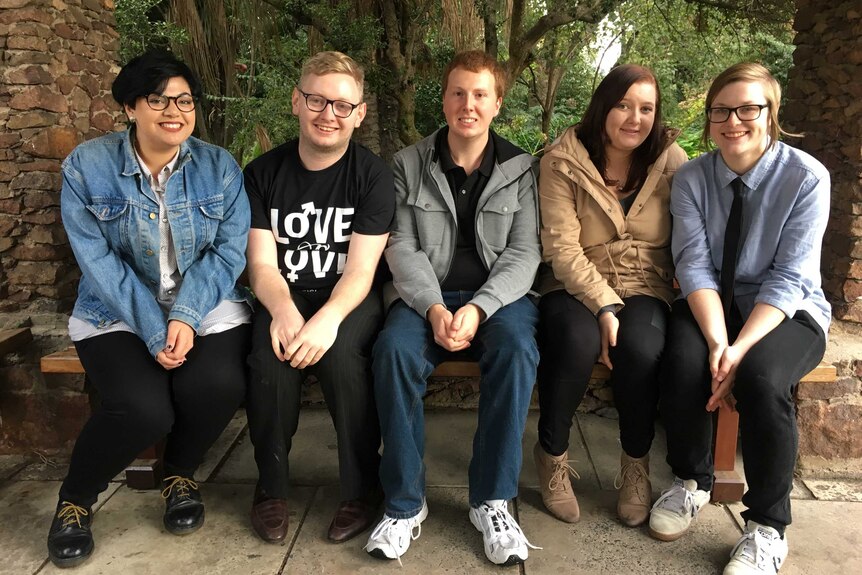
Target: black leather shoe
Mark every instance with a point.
(70, 541)
(184, 508)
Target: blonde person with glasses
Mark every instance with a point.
(321, 209)
(158, 221)
(748, 222)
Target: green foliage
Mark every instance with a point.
(141, 26)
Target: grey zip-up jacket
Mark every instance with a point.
(422, 244)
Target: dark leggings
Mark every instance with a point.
(765, 380)
(140, 402)
(570, 344)
(344, 374)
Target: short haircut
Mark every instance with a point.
(324, 63)
(592, 134)
(149, 73)
(476, 61)
(748, 72)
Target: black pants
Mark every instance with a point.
(344, 374)
(570, 344)
(765, 380)
(141, 402)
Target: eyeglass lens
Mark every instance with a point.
(184, 102)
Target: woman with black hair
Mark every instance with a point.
(604, 190)
(158, 222)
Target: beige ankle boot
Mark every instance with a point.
(554, 483)
(635, 490)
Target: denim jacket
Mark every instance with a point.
(110, 214)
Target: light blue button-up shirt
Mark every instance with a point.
(785, 210)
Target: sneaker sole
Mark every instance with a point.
(668, 536)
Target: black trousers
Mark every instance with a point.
(344, 374)
(140, 402)
(570, 344)
(765, 380)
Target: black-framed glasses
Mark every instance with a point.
(744, 113)
(159, 102)
(317, 103)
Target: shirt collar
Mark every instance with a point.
(441, 146)
(753, 177)
(167, 170)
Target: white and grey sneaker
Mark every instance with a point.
(505, 543)
(760, 550)
(392, 537)
(671, 515)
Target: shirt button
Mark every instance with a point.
(164, 249)
(463, 192)
(149, 252)
(170, 292)
(505, 209)
(427, 206)
(152, 216)
(165, 220)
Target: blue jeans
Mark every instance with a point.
(405, 355)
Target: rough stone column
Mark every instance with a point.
(57, 63)
(824, 100)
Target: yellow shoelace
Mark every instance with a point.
(181, 483)
(71, 513)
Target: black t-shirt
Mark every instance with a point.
(313, 213)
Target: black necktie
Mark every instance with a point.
(731, 247)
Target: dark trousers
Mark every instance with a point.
(570, 343)
(344, 374)
(140, 402)
(765, 380)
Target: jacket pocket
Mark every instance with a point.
(431, 220)
(213, 214)
(496, 221)
(113, 222)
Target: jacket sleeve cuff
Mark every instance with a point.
(487, 303)
(424, 300)
(180, 314)
(597, 301)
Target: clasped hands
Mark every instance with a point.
(454, 332)
(179, 341)
(723, 361)
(302, 342)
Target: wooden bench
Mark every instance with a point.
(729, 485)
(14, 339)
(146, 471)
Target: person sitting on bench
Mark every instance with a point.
(158, 222)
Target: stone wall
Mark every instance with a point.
(57, 63)
(824, 101)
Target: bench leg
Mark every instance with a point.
(147, 471)
(728, 486)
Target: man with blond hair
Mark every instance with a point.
(322, 207)
(463, 254)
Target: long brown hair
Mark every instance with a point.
(591, 131)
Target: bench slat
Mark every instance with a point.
(14, 339)
(65, 361)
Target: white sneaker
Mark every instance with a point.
(671, 515)
(760, 550)
(391, 538)
(505, 543)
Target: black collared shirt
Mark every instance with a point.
(467, 272)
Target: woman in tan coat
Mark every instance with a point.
(604, 193)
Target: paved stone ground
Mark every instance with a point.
(825, 537)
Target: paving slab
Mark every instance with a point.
(835, 490)
(448, 543)
(602, 439)
(599, 544)
(26, 510)
(46, 469)
(11, 464)
(824, 538)
(130, 537)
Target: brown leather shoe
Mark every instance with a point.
(269, 518)
(352, 518)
